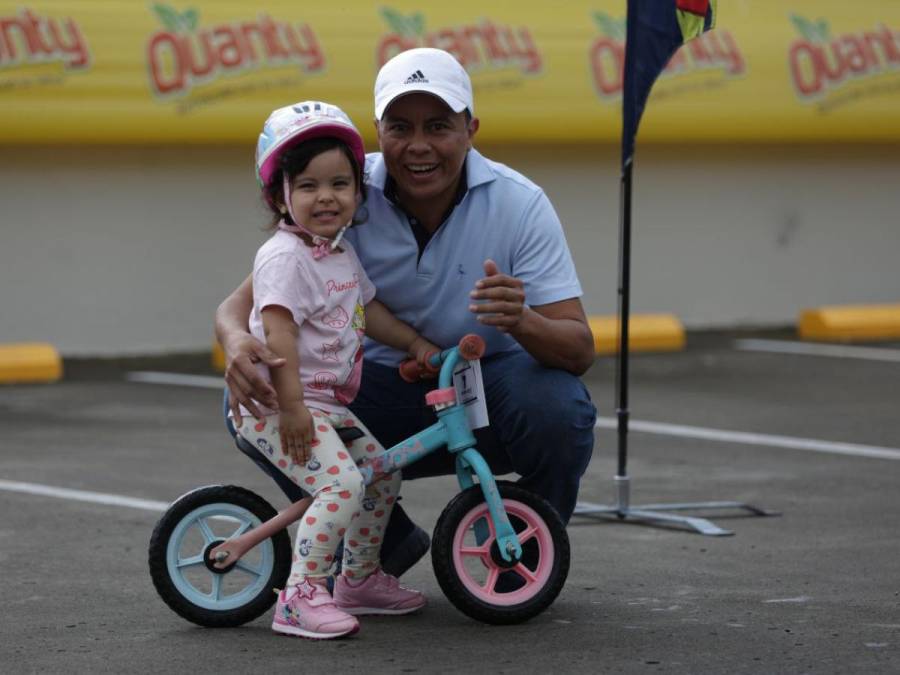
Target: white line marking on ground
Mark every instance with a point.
(83, 496)
(838, 351)
(177, 379)
(790, 442)
(798, 599)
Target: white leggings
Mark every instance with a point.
(343, 506)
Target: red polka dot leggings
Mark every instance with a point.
(343, 506)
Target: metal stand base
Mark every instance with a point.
(652, 512)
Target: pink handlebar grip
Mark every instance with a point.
(409, 369)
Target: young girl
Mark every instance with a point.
(312, 303)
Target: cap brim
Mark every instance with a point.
(455, 104)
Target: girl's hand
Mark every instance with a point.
(295, 425)
(420, 350)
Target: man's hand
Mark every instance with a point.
(295, 426)
(502, 299)
(245, 384)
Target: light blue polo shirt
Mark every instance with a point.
(503, 216)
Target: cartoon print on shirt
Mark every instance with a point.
(337, 318)
(330, 350)
(323, 380)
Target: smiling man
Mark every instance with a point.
(456, 243)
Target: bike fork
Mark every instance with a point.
(469, 462)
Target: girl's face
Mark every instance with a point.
(324, 194)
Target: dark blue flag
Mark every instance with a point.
(655, 30)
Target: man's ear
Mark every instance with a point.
(472, 130)
(377, 124)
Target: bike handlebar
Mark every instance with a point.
(470, 347)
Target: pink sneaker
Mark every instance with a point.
(378, 593)
(306, 610)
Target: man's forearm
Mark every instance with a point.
(566, 344)
(233, 314)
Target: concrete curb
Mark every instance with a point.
(646, 333)
(218, 357)
(846, 323)
(29, 362)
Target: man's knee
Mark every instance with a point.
(548, 398)
(544, 415)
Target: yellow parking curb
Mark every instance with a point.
(646, 333)
(218, 357)
(29, 362)
(846, 323)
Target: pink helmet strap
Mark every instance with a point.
(322, 246)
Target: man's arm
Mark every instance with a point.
(242, 352)
(557, 334)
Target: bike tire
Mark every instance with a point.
(469, 573)
(168, 567)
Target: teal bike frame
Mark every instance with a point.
(452, 430)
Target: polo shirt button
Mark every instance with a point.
(413, 221)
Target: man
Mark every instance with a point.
(456, 244)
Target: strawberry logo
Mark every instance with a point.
(185, 54)
(821, 62)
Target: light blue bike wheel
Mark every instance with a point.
(182, 539)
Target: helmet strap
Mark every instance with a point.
(322, 246)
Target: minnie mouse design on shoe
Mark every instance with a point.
(307, 610)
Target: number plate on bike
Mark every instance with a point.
(470, 392)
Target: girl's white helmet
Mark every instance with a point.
(294, 124)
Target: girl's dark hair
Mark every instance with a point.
(295, 160)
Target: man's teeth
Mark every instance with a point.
(421, 168)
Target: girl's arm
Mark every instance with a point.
(295, 424)
(387, 329)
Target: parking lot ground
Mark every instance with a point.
(814, 590)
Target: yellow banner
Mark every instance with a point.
(116, 71)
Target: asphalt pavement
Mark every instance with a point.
(813, 590)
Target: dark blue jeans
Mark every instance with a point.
(542, 423)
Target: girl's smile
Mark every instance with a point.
(324, 194)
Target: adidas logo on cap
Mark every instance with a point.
(416, 78)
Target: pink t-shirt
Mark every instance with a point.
(327, 298)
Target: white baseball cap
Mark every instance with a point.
(432, 71)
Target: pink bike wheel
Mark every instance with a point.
(473, 574)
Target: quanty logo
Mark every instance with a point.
(820, 63)
(28, 38)
(713, 50)
(482, 45)
(184, 54)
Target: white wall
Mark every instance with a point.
(115, 251)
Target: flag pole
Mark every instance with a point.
(632, 106)
(624, 311)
